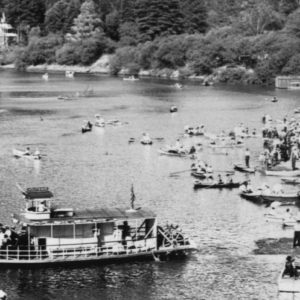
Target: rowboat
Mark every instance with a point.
(173, 153)
(287, 284)
(201, 175)
(260, 197)
(47, 236)
(291, 180)
(284, 173)
(244, 169)
(230, 185)
(173, 108)
(20, 153)
(131, 78)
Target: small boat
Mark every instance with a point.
(274, 99)
(146, 140)
(45, 76)
(99, 121)
(131, 78)
(3, 295)
(288, 284)
(216, 185)
(283, 173)
(200, 175)
(51, 236)
(173, 153)
(173, 109)
(25, 154)
(131, 140)
(243, 169)
(87, 127)
(260, 197)
(178, 85)
(60, 97)
(69, 74)
(291, 180)
(297, 110)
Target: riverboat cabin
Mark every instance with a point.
(48, 234)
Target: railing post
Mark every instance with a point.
(18, 255)
(6, 253)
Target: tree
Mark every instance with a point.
(60, 17)
(158, 17)
(112, 25)
(293, 23)
(129, 34)
(194, 16)
(87, 24)
(288, 6)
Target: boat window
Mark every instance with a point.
(149, 225)
(107, 228)
(63, 231)
(41, 231)
(84, 230)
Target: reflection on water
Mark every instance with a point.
(97, 169)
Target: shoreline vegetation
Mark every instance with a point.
(232, 41)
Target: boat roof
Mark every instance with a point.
(37, 193)
(94, 215)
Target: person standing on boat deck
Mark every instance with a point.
(247, 157)
(290, 268)
(296, 242)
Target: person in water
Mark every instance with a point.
(290, 268)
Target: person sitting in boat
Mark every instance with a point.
(290, 268)
(277, 189)
(192, 150)
(229, 178)
(220, 180)
(41, 207)
(209, 169)
(27, 151)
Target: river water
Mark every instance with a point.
(97, 169)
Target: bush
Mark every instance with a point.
(68, 55)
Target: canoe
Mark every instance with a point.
(166, 152)
(244, 169)
(19, 154)
(289, 173)
(287, 284)
(146, 142)
(291, 180)
(199, 185)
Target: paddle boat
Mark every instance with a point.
(87, 126)
(131, 78)
(173, 109)
(69, 74)
(26, 154)
(146, 140)
(47, 235)
(244, 169)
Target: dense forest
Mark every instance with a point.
(250, 41)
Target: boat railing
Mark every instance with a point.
(78, 250)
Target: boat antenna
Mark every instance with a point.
(132, 197)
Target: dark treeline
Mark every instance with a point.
(250, 40)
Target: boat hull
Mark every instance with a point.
(179, 252)
(259, 198)
(163, 152)
(217, 186)
(283, 173)
(243, 169)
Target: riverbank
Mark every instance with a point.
(225, 74)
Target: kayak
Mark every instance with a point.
(19, 154)
(231, 185)
(241, 168)
(289, 173)
(291, 180)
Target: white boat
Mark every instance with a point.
(284, 173)
(69, 74)
(45, 76)
(287, 284)
(20, 153)
(63, 236)
(178, 85)
(131, 78)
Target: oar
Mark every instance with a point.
(175, 173)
